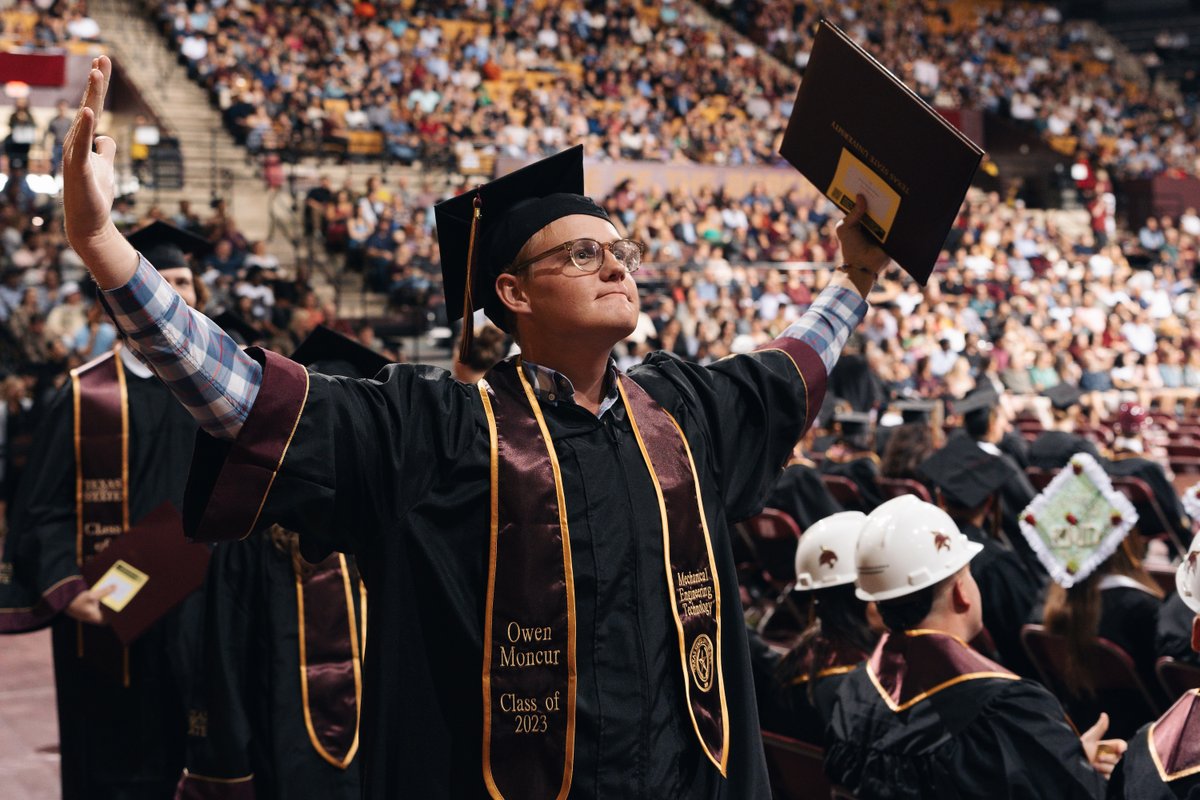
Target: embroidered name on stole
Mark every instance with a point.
(101, 409)
(529, 668)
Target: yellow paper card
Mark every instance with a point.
(128, 581)
(852, 178)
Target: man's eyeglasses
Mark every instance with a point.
(587, 255)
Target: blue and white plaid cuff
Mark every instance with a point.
(828, 323)
(199, 363)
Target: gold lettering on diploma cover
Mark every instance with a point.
(700, 659)
(102, 490)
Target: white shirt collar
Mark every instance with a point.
(133, 363)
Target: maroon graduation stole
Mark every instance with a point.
(330, 658)
(1174, 740)
(917, 664)
(101, 407)
(529, 669)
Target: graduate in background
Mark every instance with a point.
(282, 684)
(799, 492)
(121, 710)
(853, 456)
(604, 654)
(929, 717)
(1163, 759)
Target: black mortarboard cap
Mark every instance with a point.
(166, 246)
(853, 423)
(1063, 396)
(233, 323)
(481, 231)
(916, 410)
(983, 399)
(965, 474)
(331, 353)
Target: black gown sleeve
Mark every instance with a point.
(337, 460)
(1173, 636)
(39, 575)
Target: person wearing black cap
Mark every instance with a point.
(984, 422)
(282, 690)
(968, 482)
(799, 491)
(554, 606)
(118, 738)
(853, 456)
(1128, 459)
(1053, 448)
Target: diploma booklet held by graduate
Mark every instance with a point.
(857, 129)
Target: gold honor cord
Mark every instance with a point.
(355, 659)
(100, 404)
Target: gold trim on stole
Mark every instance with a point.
(340, 763)
(712, 566)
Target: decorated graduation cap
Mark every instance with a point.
(965, 475)
(331, 353)
(480, 232)
(1063, 396)
(166, 246)
(1078, 521)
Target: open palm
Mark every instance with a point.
(88, 180)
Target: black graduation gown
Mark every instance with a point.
(115, 742)
(401, 465)
(1168, 499)
(1129, 619)
(987, 737)
(1174, 635)
(800, 493)
(1015, 447)
(1010, 593)
(1172, 772)
(863, 469)
(1051, 450)
(251, 696)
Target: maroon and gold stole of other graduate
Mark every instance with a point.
(529, 669)
(101, 406)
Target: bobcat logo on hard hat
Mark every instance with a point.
(1191, 560)
(828, 557)
(940, 541)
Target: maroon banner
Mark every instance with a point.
(691, 568)
(529, 674)
(330, 665)
(36, 69)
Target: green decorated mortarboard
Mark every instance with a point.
(965, 475)
(331, 353)
(480, 232)
(166, 246)
(1078, 521)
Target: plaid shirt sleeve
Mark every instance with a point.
(828, 323)
(199, 363)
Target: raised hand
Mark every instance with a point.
(859, 248)
(89, 188)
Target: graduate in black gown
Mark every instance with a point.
(1129, 458)
(122, 713)
(282, 686)
(799, 492)
(853, 456)
(1174, 635)
(1053, 448)
(609, 648)
(968, 482)
(842, 634)
(927, 716)
(984, 422)
(1163, 759)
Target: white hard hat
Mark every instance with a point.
(906, 545)
(825, 556)
(1187, 577)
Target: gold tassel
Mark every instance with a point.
(468, 331)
